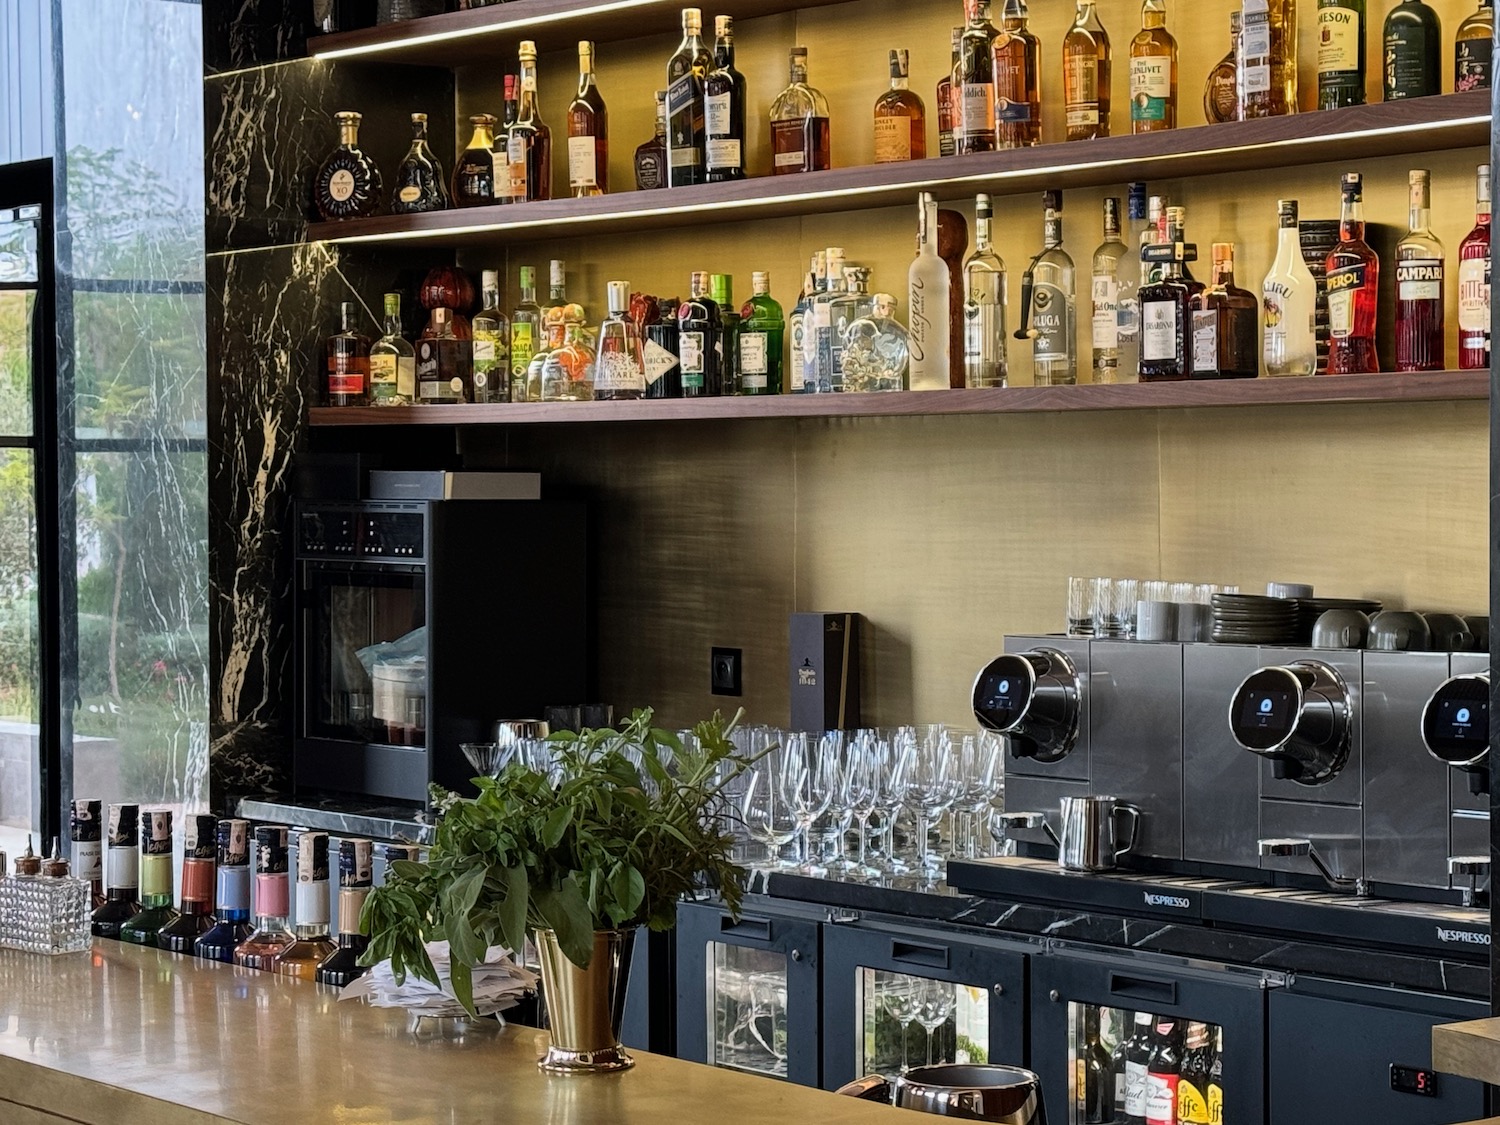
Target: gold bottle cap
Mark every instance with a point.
(30, 863)
(723, 25)
(527, 50)
(56, 867)
(348, 116)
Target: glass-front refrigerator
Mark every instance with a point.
(895, 998)
(748, 989)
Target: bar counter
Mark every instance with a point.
(130, 1036)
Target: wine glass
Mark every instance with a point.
(893, 756)
(862, 792)
(899, 997)
(832, 776)
(767, 816)
(934, 786)
(979, 761)
(805, 791)
(935, 1002)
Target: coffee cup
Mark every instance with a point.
(1155, 621)
(1479, 626)
(1341, 628)
(1394, 630)
(1450, 632)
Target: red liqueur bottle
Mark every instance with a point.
(196, 893)
(1353, 289)
(1419, 286)
(1474, 285)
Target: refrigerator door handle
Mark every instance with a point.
(1162, 993)
(755, 929)
(919, 953)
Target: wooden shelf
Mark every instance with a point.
(1434, 387)
(1359, 132)
(479, 34)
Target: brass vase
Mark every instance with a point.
(584, 1006)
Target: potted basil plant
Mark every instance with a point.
(625, 823)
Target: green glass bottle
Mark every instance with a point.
(1341, 53)
(721, 289)
(761, 340)
(156, 879)
(1413, 43)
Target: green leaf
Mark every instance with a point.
(463, 985)
(567, 913)
(556, 826)
(513, 909)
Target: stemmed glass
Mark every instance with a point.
(935, 1001)
(832, 775)
(862, 791)
(979, 763)
(893, 775)
(901, 1000)
(934, 786)
(767, 815)
(806, 791)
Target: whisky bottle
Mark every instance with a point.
(928, 287)
(900, 118)
(985, 299)
(156, 879)
(620, 370)
(724, 109)
(1473, 49)
(121, 872)
(232, 893)
(698, 327)
(1419, 285)
(660, 347)
(1086, 74)
(86, 834)
(974, 82)
(687, 71)
(477, 178)
(525, 338)
(651, 157)
(1267, 43)
(1105, 318)
(356, 868)
(1341, 53)
(1153, 72)
(347, 185)
(529, 144)
(761, 340)
(393, 361)
(1474, 285)
(1226, 323)
(800, 139)
(195, 893)
(1221, 93)
(269, 936)
(947, 102)
(1049, 304)
(588, 131)
(444, 363)
(1166, 310)
(1413, 42)
(347, 364)
(1289, 303)
(491, 329)
(504, 181)
(312, 945)
(1017, 64)
(419, 179)
(1353, 289)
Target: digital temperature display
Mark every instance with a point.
(1414, 1080)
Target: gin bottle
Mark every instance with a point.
(393, 361)
(121, 871)
(1419, 286)
(419, 179)
(272, 902)
(195, 894)
(797, 324)
(1105, 321)
(356, 862)
(761, 341)
(928, 286)
(819, 378)
(1474, 285)
(491, 344)
(313, 946)
(1049, 310)
(231, 893)
(721, 289)
(1289, 298)
(698, 327)
(620, 370)
(985, 298)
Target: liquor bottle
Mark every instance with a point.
(1164, 1073)
(1353, 289)
(1474, 285)
(800, 136)
(900, 118)
(1341, 53)
(1221, 93)
(877, 350)
(491, 343)
(724, 109)
(721, 290)
(588, 131)
(156, 879)
(1166, 312)
(347, 362)
(698, 327)
(1095, 1076)
(232, 895)
(761, 341)
(1137, 1055)
(356, 864)
(1413, 40)
(1155, 234)
(195, 894)
(797, 323)
(1105, 318)
(985, 300)
(804, 327)
(947, 103)
(1153, 72)
(560, 313)
(1419, 285)
(1267, 43)
(529, 141)
(121, 872)
(419, 179)
(567, 371)
(43, 909)
(974, 82)
(1128, 280)
(312, 945)
(1192, 1088)
(1226, 320)
(1289, 303)
(1086, 74)
(850, 304)
(393, 361)
(687, 71)
(620, 370)
(269, 936)
(445, 364)
(525, 338)
(1216, 1079)
(1049, 304)
(927, 317)
(86, 833)
(347, 185)
(1017, 66)
(661, 349)
(1124, 1022)
(817, 337)
(651, 157)
(1473, 49)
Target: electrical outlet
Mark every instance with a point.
(725, 667)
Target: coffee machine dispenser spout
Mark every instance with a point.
(1283, 847)
(1035, 699)
(1027, 822)
(1476, 867)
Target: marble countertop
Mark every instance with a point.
(129, 1036)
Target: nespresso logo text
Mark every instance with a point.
(1466, 937)
(1176, 902)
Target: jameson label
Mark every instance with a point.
(1338, 41)
(1205, 342)
(1049, 307)
(1106, 321)
(974, 111)
(1150, 88)
(892, 139)
(1419, 279)
(1159, 331)
(1471, 63)
(754, 358)
(1406, 64)
(1474, 296)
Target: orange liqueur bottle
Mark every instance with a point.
(900, 118)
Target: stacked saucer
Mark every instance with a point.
(1310, 609)
(1250, 619)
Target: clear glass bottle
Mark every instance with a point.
(698, 327)
(818, 337)
(491, 329)
(762, 340)
(356, 867)
(313, 945)
(1474, 284)
(1221, 93)
(195, 892)
(526, 338)
(561, 314)
(1105, 290)
(985, 306)
(1341, 53)
(1086, 74)
(43, 909)
(529, 144)
(620, 370)
(1420, 335)
(444, 363)
(1139, 232)
(877, 350)
(86, 832)
(567, 371)
(687, 73)
(1166, 310)
(1353, 289)
(1153, 72)
(419, 179)
(974, 82)
(851, 303)
(800, 136)
(928, 309)
(1226, 321)
(156, 879)
(122, 864)
(721, 289)
(804, 331)
(947, 101)
(232, 893)
(270, 935)
(347, 357)
(724, 109)
(588, 131)
(1413, 40)
(1473, 49)
(476, 180)
(347, 185)
(797, 324)
(1289, 298)
(393, 361)
(1017, 61)
(1049, 304)
(900, 118)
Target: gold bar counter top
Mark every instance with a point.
(136, 1036)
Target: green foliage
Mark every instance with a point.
(631, 827)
